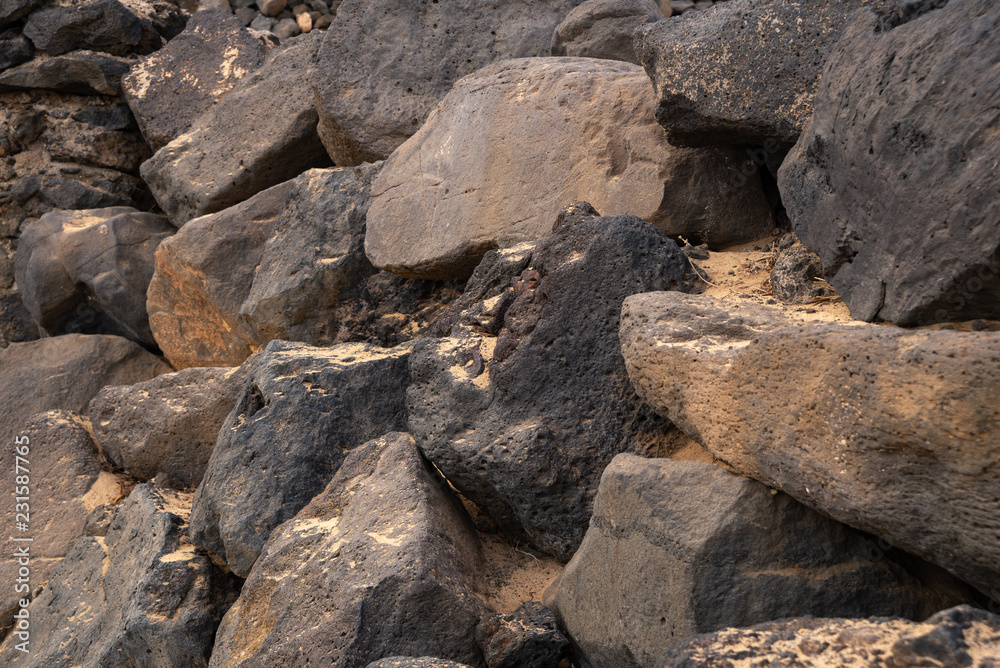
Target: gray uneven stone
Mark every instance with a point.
(680, 548)
(603, 29)
(302, 409)
(118, 27)
(527, 400)
(744, 71)
(12, 10)
(385, 65)
(16, 324)
(170, 89)
(166, 425)
(793, 277)
(886, 429)
(263, 132)
(895, 182)
(513, 143)
(384, 561)
(141, 596)
(14, 51)
(88, 271)
(79, 73)
(415, 662)
(529, 637)
(960, 636)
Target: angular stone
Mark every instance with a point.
(529, 637)
(301, 411)
(793, 277)
(886, 429)
(65, 372)
(167, 425)
(603, 29)
(122, 151)
(263, 132)
(383, 562)
(16, 324)
(168, 90)
(12, 10)
(680, 548)
(949, 638)
(79, 73)
(141, 596)
(385, 65)
(895, 182)
(87, 271)
(743, 72)
(15, 51)
(512, 144)
(113, 26)
(523, 406)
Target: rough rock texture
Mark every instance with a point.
(287, 264)
(528, 400)
(65, 372)
(14, 51)
(168, 90)
(961, 636)
(63, 456)
(301, 410)
(383, 561)
(167, 424)
(418, 662)
(529, 637)
(141, 596)
(793, 277)
(87, 271)
(80, 73)
(261, 133)
(385, 65)
(743, 72)
(16, 325)
(603, 29)
(885, 429)
(12, 10)
(512, 144)
(679, 548)
(895, 183)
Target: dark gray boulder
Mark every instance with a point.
(15, 51)
(115, 27)
(603, 29)
(384, 561)
(895, 182)
(385, 65)
(528, 399)
(16, 323)
(529, 637)
(79, 73)
(12, 10)
(301, 411)
(261, 133)
(742, 72)
(679, 548)
(87, 271)
(140, 596)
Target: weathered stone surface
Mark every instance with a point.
(118, 27)
(168, 90)
(141, 596)
(603, 29)
(301, 410)
(383, 561)
(385, 65)
(528, 400)
(961, 636)
(16, 324)
(80, 73)
(512, 144)
(895, 182)
(418, 662)
(167, 425)
(12, 10)
(87, 271)
(793, 277)
(65, 372)
(679, 548)
(885, 429)
(743, 72)
(122, 151)
(529, 637)
(263, 132)
(15, 51)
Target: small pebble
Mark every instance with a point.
(245, 15)
(262, 23)
(298, 10)
(305, 22)
(271, 7)
(323, 22)
(286, 28)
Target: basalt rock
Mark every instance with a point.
(603, 29)
(79, 73)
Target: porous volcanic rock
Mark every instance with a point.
(529, 637)
(603, 29)
(79, 73)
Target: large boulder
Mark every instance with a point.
(528, 400)
(166, 427)
(888, 430)
(383, 562)
(895, 182)
(79, 73)
(513, 143)
(65, 372)
(261, 133)
(88, 271)
(385, 65)
(603, 29)
(140, 596)
(302, 409)
(679, 548)
(12, 10)
(961, 636)
(743, 72)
